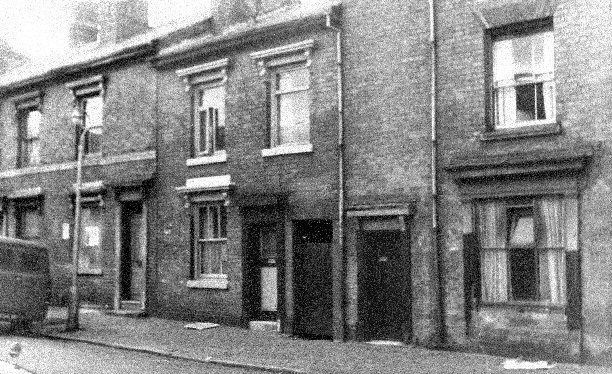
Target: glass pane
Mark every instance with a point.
(203, 216)
(34, 119)
(522, 54)
(93, 113)
(543, 53)
(502, 61)
(30, 223)
(521, 227)
(202, 131)
(219, 132)
(214, 211)
(33, 152)
(293, 117)
(90, 257)
(293, 80)
(526, 102)
(524, 270)
(210, 257)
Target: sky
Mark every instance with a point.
(39, 28)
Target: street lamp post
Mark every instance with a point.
(72, 322)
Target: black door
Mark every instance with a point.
(313, 278)
(384, 301)
(132, 252)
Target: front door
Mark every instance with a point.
(313, 278)
(133, 253)
(262, 258)
(384, 278)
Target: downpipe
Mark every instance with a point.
(435, 230)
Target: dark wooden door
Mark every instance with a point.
(313, 279)
(133, 252)
(384, 282)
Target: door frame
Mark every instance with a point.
(253, 219)
(130, 197)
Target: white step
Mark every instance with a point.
(264, 325)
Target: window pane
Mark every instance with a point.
(219, 131)
(93, 112)
(214, 212)
(34, 119)
(203, 216)
(293, 80)
(522, 54)
(223, 222)
(210, 257)
(33, 152)
(293, 117)
(29, 223)
(202, 132)
(521, 227)
(90, 257)
(524, 270)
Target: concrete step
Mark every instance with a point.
(264, 326)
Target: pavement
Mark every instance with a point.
(270, 351)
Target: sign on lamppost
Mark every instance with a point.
(78, 119)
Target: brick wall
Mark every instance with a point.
(583, 109)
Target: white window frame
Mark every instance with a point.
(210, 148)
(205, 76)
(546, 79)
(94, 206)
(273, 62)
(83, 90)
(25, 105)
(209, 278)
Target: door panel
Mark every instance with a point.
(313, 278)
(133, 251)
(384, 281)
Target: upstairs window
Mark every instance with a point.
(89, 97)
(523, 85)
(288, 83)
(29, 121)
(29, 137)
(206, 83)
(28, 219)
(290, 122)
(209, 120)
(92, 108)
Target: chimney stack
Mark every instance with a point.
(107, 21)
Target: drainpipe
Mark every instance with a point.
(339, 330)
(435, 230)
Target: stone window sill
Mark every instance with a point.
(287, 150)
(211, 281)
(90, 272)
(553, 128)
(216, 158)
(522, 306)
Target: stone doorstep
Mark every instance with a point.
(264, 326)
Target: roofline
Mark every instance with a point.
(132, 52)
(203, 46)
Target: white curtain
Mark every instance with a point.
(503, 79)
(494, 259)
(552, 256)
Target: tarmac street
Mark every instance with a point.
(107, 343)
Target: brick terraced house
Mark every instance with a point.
(428, 172)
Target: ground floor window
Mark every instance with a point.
(210, 239)
(28, 219)
(523, 249)
(90, 255)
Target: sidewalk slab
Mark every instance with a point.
(266, 350)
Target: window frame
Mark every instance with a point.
(92, 204)
(200, 277)
(21, 207)
(276, 95)
(210, 148)
(27, 142)
(510, 203)
(529, 128)
(81, 102)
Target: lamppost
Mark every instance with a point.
(78, 119)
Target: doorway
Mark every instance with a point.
(132, 255)
(264, 247)
(384, 286)
(312, 244)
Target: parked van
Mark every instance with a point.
(25, 281)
